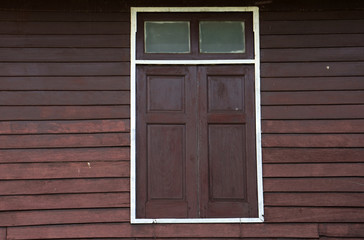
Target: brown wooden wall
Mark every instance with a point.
(64, 123)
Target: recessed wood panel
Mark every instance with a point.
(166, 153)
(165, 93)
(225, 93)
(227, 162)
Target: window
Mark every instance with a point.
(195, 140)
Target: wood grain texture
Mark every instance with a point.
(312, 27)
(314, 170)
(313, 112)
(64, 154)
(314, 199)
(64, 170)
(64, 140)
(312, 69)
(312, 98)
(46, 16)
(47, 98)
(314, 155)
(314, 215)
(166, 231)
(59, 186)
(64, 54)
(64, 28)
(85, 126)
(342, 230)
(45, 217)
(65, 69)
(312, 83)
(313, 126)
(60, 83)
(3, 233)
(312, 40)
(328, 184)
(336, 54)
(64, 201)
(63, 112)
(311, 15)
(74, 40)
(313, 140)
(76, 53)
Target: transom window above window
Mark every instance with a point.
(192, 36)
(166, 37)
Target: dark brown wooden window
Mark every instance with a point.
(195, 132)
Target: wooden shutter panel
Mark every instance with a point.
(196, 142)
(227, 142)
(166, 142)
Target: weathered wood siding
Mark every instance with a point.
(64, 124)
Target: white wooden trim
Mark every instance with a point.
(197, 220)
(134, 62)
(132, 116)
(195, 62)
(258, 135)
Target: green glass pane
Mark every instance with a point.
(167, 37)
(222, 37)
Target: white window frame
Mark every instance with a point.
(134, 62)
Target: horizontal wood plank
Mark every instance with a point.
(65, 83)
(63, 112)
(52, 16)
(64, 170)
(64, 201)
(65, 69)
(336, 54)
(314, 170)
(165, 231)
(312, 97)
(40, 98)
(59, 186)
(347, 184)
(313, 214)
(312, 69)
(64, 140)
(313, 140)
(312, 27)
(64, 54)
(311, 15)
(312, 40)
(313, 112)
(312, 83)
(301, 155)
(64, 27)
(64, 154)
(313, 126)
(47, 98)
(314, 199)
(84, 126)
(74, 41)
(342, 230)
(45, 217)
(67, 6)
